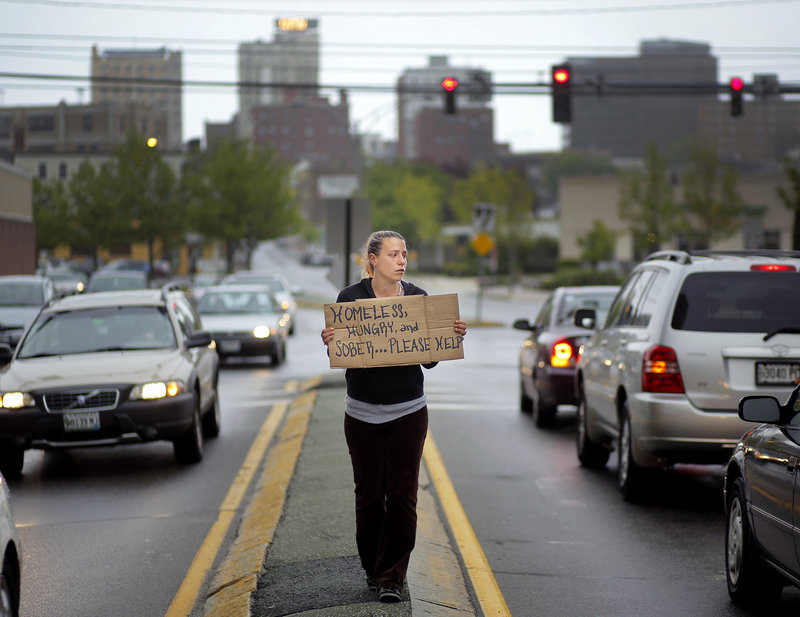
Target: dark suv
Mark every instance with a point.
(688, 335)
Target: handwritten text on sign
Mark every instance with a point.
(393, 331)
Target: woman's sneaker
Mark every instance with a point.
(389, 594)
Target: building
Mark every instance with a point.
(278, 72)
(78, 129)
(153, 77)
(427, 133)
(17, 232)
(619, 108)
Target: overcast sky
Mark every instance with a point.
(372, 42)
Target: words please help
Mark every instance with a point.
(394, 331)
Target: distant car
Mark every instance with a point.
(547, 357)
(244, 320)
(66, 280)
(110, 368)
(201, 281)
(140, 265)
(21, 298)
(279, 285)
(11, 555)
(761, 502)
(117, 280)
(316, 258)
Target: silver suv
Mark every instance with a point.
(688, 335)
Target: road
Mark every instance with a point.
(112, 531)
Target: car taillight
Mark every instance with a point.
(562, 354)
(660, 371)
(773, 267)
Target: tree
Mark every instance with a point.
(50, 213)
(647, 203)
(598, 244)
(241, 195)
(712, 205)
(791, 197)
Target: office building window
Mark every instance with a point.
(43, 170)
(62, 170)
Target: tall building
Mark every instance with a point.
(427, 133)
(133, 76)
(623, 122)
(278, 72)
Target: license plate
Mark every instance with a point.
(83, 421)
(777, 373)
(229, 346)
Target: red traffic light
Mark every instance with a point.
(560, 75)
(449, 83)
(737, 83)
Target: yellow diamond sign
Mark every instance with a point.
(482, 243)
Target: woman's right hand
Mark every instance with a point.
(327, 335)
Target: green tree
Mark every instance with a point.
(240, 194)
(597, 244)
(712, 205)
(50, 213)
(647, 203)
(791, 197)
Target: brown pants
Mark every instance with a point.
(386, 459)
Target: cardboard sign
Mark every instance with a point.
(393, 331)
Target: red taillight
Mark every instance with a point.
(660, 371)
(562, 354)
(773, 267)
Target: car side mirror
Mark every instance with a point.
(523, 324)
(201, 338)
(760, 409)
(585, 318)
(6, 353)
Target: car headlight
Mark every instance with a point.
(156, 390)
(16, 400)
(285, 305)
(263, 332)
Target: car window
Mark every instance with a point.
(617, 307)
(544, 314)
(650, 299)
(634, 298)
(188, 318)
(748, 301)
(100, 329)
(571, 302)
(21, 294)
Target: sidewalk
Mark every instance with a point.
(294, 553)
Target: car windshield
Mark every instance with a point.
(116, 283)
(219, 302)
(21, 294)
(100, 329)
(274, 284)
(760, 301)
(571, 302)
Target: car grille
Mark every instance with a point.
(77, 400)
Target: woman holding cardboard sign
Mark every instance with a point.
(386, 420)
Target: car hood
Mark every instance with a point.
(238, 322)
(94, 368)
(18, 315)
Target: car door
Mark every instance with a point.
(204, 359)
(771, 473)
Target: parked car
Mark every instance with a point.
(66, 280)
(11, 556)
(21, 298)
(110, 368)
(279, 285)
(547, 357)
(688, 335)
(761, 497)
(245, 320)
(117, 280)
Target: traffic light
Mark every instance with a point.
(736, 88)
(561, 78)
(449, 85)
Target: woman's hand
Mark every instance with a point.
(327, 335)
(460, 327)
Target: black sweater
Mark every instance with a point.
(383, 385)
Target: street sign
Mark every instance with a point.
(343, 186)
(483, 244)
(483, 216)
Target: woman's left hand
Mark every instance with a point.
(460, 327)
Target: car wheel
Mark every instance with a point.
(591, 454)
(630, 476)
(189, 447)
(212, 419)
(12, 459)
(280, 352)
(750, 581)
(544, 415)
(525, 402)
(9, 592)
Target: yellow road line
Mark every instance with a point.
(186, 597)
(486, 588)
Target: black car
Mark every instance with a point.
(547, 357)
(761, 502)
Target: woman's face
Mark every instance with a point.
(390, 263)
